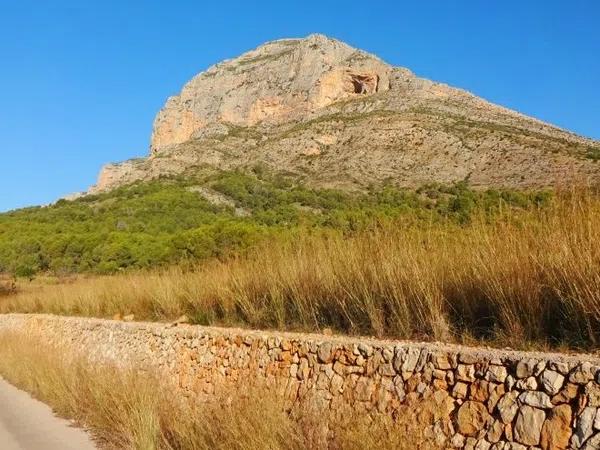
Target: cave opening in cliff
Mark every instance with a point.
(364, 84)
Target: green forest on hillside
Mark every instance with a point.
(167, 221)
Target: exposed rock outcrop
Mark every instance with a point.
(281, 81)
(340, 117)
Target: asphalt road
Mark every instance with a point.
(27, 424)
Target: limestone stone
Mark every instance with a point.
(510, 382)
(382, 399)
(365, 349)
(526, 368)
(339, 368)
(537, 399)
(592, 392)
(325, 352)
(457, 441)
(322, 382)
(479, 391)
(387, 370)
(508, 432)
(582, 374)
(373, 366)
(470, 443)
(450, 378)
(406, 361)
(495, 396)
(592, 443)
(568, 393)
(482, 444)
(441, 361)
(515, 446)
(539, 367)
(337, 382)
(467, 357)
(556, 430)
(439, 374)
(399, 387)
(551, 381)
(560, 367)
(388, 354)
(496, 374)
(303, 369)
(465, 373)
(294, 370)
(364, 389)
(507, 406)
(527, 384)
(444, 402)
(584, 427)
(471, 418)
(460, 390)
(422, 361)
(440, 385)
(495, 432)
(528, 425)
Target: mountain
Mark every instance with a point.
(335, 116)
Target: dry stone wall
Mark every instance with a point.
(491, 399)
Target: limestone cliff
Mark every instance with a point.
(337, 116)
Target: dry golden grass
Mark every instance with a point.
(8, 286)
(125, 409)
(524, 278)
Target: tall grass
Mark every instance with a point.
(523, 277)
(8, 286)
(127, 409)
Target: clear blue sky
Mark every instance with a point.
(81, 81)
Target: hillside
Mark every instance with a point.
(335, 116)
(212, 214)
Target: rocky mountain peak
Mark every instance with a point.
(279, 81)
(339, 117)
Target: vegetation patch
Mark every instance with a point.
(165, 222)
(344, 117)
(593, 153)
(467, 125)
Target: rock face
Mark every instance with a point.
(339, 117)
(281, 81)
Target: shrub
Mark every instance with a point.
(163, 222)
